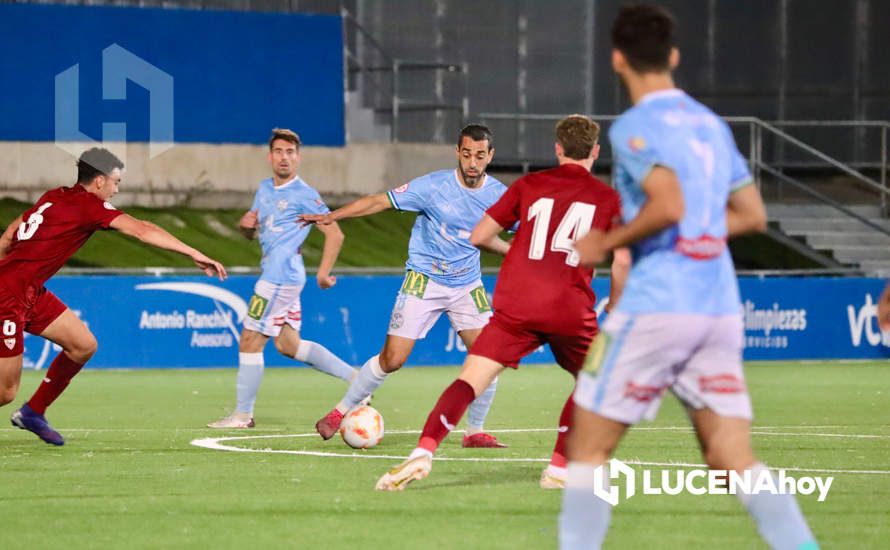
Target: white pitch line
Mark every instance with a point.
(215, 443)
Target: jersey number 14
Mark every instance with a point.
(574, 224)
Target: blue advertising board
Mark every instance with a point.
(168, 75)
(196, 321)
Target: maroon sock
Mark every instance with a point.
(565, 424)
(54, 383)
(446, 414)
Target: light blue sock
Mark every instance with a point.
(250, 374)
(585, 518)
(321, 359)
(369, 378)
(480, 406)
(778, 518)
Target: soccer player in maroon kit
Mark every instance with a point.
(542, 295)
(32, 249)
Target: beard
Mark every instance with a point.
(470, 181)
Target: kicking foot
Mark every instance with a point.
(482, 440)
(549, 480)
(236, 420)
(329, 424)
(398, 477)
(26, 419)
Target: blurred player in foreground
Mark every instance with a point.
(274, 310)
(443, 275)
(685, 189)
(543, 295)
(33, 248)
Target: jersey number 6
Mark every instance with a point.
(574, 225)
(28, 228)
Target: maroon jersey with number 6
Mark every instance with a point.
(58, 224)
(541, 284)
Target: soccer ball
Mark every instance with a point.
(362, 427)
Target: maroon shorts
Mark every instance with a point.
(17, 318)
(507, 342)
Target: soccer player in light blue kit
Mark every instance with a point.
(443, 272)
(274, 310)
(685, 189)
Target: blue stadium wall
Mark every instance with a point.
(235, 75)
(195, 321)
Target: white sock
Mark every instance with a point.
(321, 359)
(369, 378)
(250, 374)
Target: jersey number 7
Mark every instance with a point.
(574, 225)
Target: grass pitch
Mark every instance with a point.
(129, 477)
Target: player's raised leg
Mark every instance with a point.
(320, 358)
(78, 346)
(726, 445)
(477, 374)
(251, 365)
(476, 437)
(395, 352)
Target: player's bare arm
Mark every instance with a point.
(150, 233)
(248, 224)
(663, 208)
(620, 270)
(485, 235)
(333, 241)
(6, 238)
(364, 206)
(745, 212)
(884, 309)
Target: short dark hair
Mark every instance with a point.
(578, 135)
(96, 162)
(286, 135)
(645, 35)
(476, 132)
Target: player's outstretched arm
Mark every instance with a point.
(485, 235)
(150, 233)
(745, 212)
(364, 206)
(6, 238)
(333, 242)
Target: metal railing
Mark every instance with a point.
(757, 129)
(393, 70)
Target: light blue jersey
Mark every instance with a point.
(280, 235)
(686, 268)
(448, 211)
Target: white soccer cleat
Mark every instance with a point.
(236, 420)
(551, 481)
(398, 477)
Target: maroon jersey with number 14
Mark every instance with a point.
(541, 284)
(58, 224)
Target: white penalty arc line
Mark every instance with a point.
(216, 444)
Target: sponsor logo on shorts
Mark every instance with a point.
(415, 284)
(480, 299)
(642, 393)
(396, 321)
(257, 307)
(721, 383)
(597, 353)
